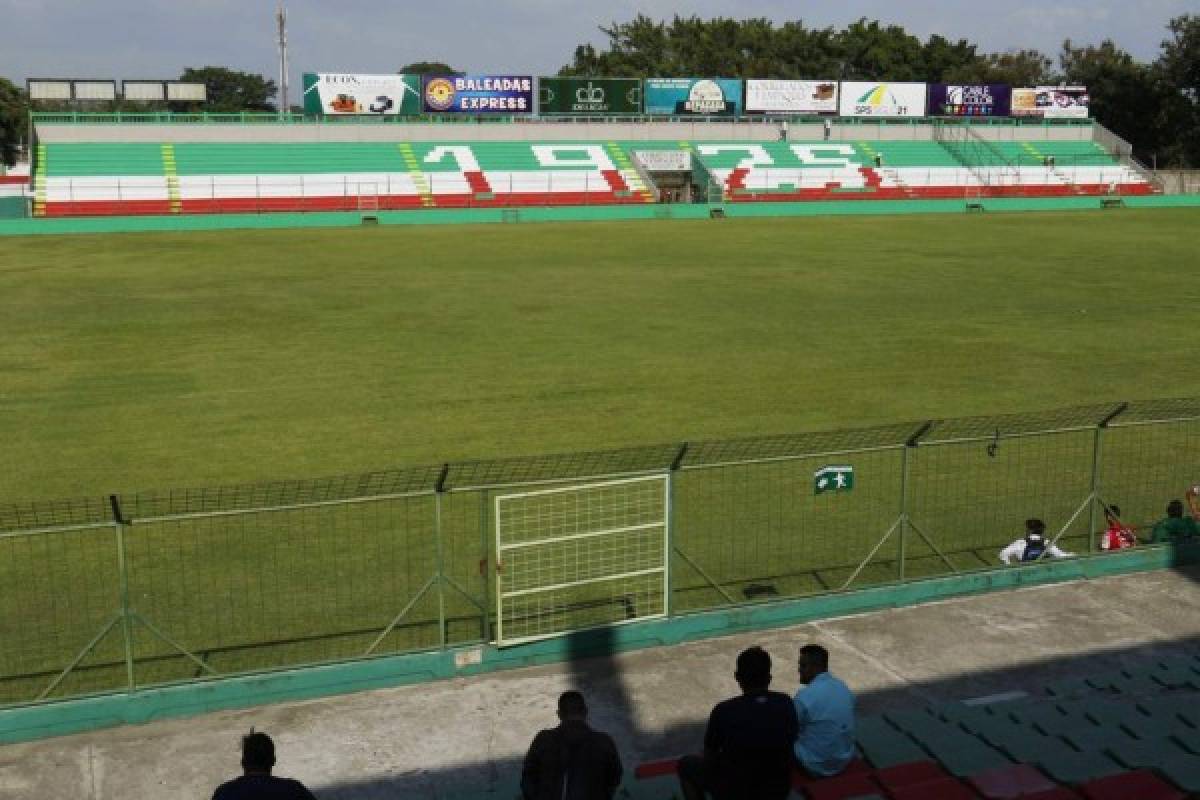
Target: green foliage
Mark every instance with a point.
(429, 68)
(1126, 96)
(14, 117)
(230, 90)
(1179, 67)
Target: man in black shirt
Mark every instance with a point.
(572, 761)
(748, 741)
(258, 758)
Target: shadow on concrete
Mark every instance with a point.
(597, 671)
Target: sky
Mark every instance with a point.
(134, 39)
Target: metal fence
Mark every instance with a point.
(122, 592)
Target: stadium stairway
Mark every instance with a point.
(74, 179)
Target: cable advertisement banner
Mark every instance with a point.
(336, 93)
(970, 100)
(1052, 102)
(792, 97)
(693, 96)
(589, 96)
(478, 94)
(875, 99)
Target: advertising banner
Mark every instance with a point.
(336, 93)
(1053, 102)
(664, 160)
(690, 96)
(792, 97)
(970, 100)
(589, 96)
(875, 99)
(478, 94)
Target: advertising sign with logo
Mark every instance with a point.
(664, 160)
(1051, 101)
(792, 97)
(342, 93)
(478, 94)
(589, 96)
(693, 96)
(973, 100)
(874, 99)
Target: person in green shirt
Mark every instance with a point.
(1175, 528)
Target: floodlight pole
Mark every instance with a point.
(281, 20)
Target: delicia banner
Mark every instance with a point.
(589, 96)
(478, 94)
(970, 100)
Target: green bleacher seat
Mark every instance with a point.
(1138, 753)
(967, 756)
(1075, 767)
(1183, 771)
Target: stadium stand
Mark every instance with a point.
(1101, 737)
(93, 178)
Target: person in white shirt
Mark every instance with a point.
(1034, 546)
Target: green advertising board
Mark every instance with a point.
(589, 96)
(338, 94)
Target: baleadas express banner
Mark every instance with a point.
(589, 96)
(478, 94)
(336, 93)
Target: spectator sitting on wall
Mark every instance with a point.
(1034, 546)
(257, 782)
(572, 761)
(1117, 536)
(1175, 527)
(1193, 500)
(825, 710)
(748, 740)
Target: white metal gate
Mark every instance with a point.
(580, 557)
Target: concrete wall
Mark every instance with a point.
(1179, 181)
(541, 131)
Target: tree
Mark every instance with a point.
(230, 90)
(14, 116)
(429, 68)
(1125, 95)
(1016, 68)
(1179, 70)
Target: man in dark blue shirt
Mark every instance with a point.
(258, 758)
(748, 741)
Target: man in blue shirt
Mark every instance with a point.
(825, 709)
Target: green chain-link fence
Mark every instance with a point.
(122, 592)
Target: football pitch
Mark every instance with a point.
(152, 361)
(132, 362)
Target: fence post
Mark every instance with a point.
(123, 573)
(670, 518)
(1097, 455)
(910, 444)
(439, 490)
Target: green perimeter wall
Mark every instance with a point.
(73, 716)
(209, 222)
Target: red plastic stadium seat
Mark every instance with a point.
(914, 772)
(656, 769)
(841, 787)
(1015, 780)
(1142, 784)
(1057, 793)
(801, 779)
(941, 789)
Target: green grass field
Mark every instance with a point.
(134, 362)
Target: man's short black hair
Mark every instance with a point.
(754, 668)
(572, 704)
(1114, 510)
(816, 655)
(1034, 525)
(258, 752)
(1175, 508)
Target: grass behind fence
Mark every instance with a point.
(133, 361)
